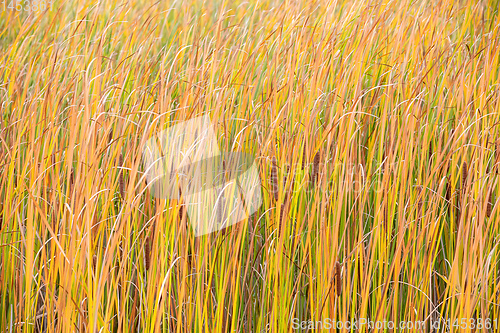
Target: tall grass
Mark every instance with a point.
(392, 107)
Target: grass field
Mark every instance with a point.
(375, 127)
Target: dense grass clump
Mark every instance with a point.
(375, 127)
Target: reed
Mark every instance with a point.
(490, 204)
(121, 182)
(465, 172)
(338, 279)
(274, 180)
(315, 168)
(320, 92)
